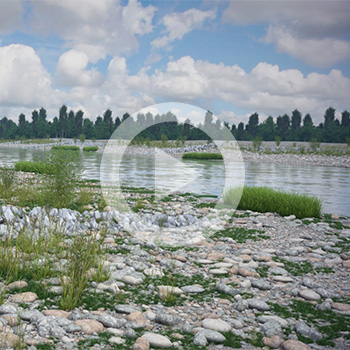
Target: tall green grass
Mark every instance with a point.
(39, 167)
(197, 155)
(65, 148)
(264, 199)
(90, 149)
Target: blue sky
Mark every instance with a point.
(232, 57)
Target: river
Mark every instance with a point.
(331, 184)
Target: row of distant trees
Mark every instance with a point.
(71, 124)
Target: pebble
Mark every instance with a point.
(216, 325)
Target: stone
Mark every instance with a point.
(17, 285)
(138, 317)
(110, 321)
(309, 294)
(164, 290)
(57, 313)
(283, 279)
(200, 339)
(273, 342)
(9, 340)
(216, 325)
(215, 256)
(12, 320)
(27, 297)
(226, 289)
(302, 328)
(266, 318)
(126, 309)
(261, 284)
(292, 344)
(90, 326)
(218, 271)
(167, 319)
(258, 304)
(346, 264)
(49, 327)
(240, 305)
(154, 272)
(158, 341)
(141, 343)
(132, 280)
(247, 273)
(272, 328)
(194, 289)
(212, 335)
(341, 307)
(117, 340)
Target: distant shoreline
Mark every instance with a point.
(201, 146)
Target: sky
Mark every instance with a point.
(231, 57)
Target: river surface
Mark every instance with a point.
(331, 184)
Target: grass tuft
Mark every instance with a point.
(90, 149)
(66, 148)
(264, 199)
(196, 155)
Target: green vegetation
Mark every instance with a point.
(90, 149)
(66, 148)
(39, 167)
(328, 322)
(240, 234)
(197, 155)
(264, 199)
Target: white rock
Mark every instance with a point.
(216, 325)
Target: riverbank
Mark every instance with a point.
(272, 154)
(260, 280)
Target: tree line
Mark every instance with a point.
(71, 124)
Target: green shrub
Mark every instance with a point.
(264, 199)
(90, 149)
(39, 167)
(196, 155)
(82, 138)
(60, 184)
(278, 140)
(65, 148)
(257, 142)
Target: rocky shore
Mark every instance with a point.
(281, 157)
(261, 281)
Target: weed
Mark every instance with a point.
(264, 199)
(90, 149)
(196, 155)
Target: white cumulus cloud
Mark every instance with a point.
(11, 12)
(316, 32)
(23, 79)
(71, 70)
(179, 24)
(97, 28)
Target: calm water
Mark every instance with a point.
(329, 183)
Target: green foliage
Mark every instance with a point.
(278, 140)
(264, 199)
(329, 323)
(90, 149)
(66, 148)
(60, 185)
(314, 144)
(39, 167)
(257, 142)
(82, 138)
(196, 155)
(240, 234)
(81, 256)
(7, 179)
